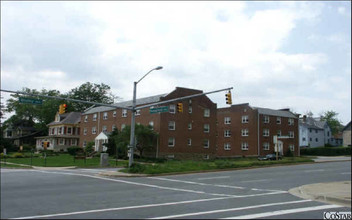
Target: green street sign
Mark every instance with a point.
(30, 101)
(159, 109)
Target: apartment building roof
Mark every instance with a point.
(68, 118)
(272, 112)
(141, 101)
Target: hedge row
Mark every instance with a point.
(326, 151)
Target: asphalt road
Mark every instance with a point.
(250, 193)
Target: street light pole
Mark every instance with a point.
(133, 116)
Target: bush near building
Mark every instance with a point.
(326, 151)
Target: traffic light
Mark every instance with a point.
(179, 107)
(62, 109)
(228, 98)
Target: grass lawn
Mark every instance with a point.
(62, 160)
(175, 166)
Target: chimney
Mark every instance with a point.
(304, 118)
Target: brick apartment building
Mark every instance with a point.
(248, 131)
(190, 134)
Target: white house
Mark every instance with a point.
(313, 132)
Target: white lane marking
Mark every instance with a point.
(207, 184)
(348, 173)
(262, 180)
(217, 177)
(311, 171)
(232, 209)
(283, 212)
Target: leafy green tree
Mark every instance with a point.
(90, 92)
(331, 118)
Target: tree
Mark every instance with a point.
(331, 118)
(90, 92)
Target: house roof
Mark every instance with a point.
(141, 101)
(347, 127)
(312, 123)
(280, 113)
(68, 118)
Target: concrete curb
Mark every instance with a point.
(120, 174)
(53, 168)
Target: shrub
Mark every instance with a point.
(74, 150)
(18, 155)
(28, 148)
(326, 151)
(137, 168)
(89, 148)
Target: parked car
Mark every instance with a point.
(270, 157)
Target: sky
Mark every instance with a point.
(289, 54)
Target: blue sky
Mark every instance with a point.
(294, 54)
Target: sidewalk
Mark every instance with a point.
(334, 192)
(321, 159)
(120, 174)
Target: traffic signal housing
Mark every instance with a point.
(62, 108)
(179, 107)
(228, 98)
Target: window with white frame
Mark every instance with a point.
(278, 133)
(291, 121)
(114, 114)
(172, 125)
(245, 119)
(206, 157)
(206, 143)
(190, 109)
(73, 142)
(266, 132)
(227, 133)
(104, 128)
(69, 130)
(206, 128)
(278, 120)
(189, 126)
(105, 116)
(244, 146)
(207, 112)
(171, 156)
(123, 126)
(86, 118)
(172, 109)
(189, 142)
(244, 132)
(137, 112)
(227, 120)
(85, 131)
(291, 134)
(94, 130)
(266, 119)
(84, 143)
(124, 113)
(266, 146)
(113, 127)
(292, 147)
(227, 146)
(171, 142)
(151, 124)
(94, 117)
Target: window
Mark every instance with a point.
(291, 134)
(170, 156)
(113, 127)
(207, 112)
(172, 109)
(104, 128)
(244, 119)
(206, 128)
(84, 143)
(291, 121)
(227, 120)
(292, 147)
(310, 139)
(227, 133)
(151, 124)
(62, 141)
(94, 117)
(124, 113)
(266, 146)
(266, 132)
(137, 112)
(94, 130)
(244, 146)
(316, 139)
(189, 126)
(328, 133)
(190, 109)
(189, 142)
(172, 125)
(278, 133)
(227, 146)
(69, 130)
(266, 119)
(123, 126)
(303, 139)
(114, 114)
(206, 143)
(73, 142)
(310, 130)
(85, 131)
(206, 157)
(171, 142)
(105, 116)
(244, 132)
(278, 120)
(86, 118)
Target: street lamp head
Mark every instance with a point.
(159, 68)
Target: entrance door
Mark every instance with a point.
(280, 145)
